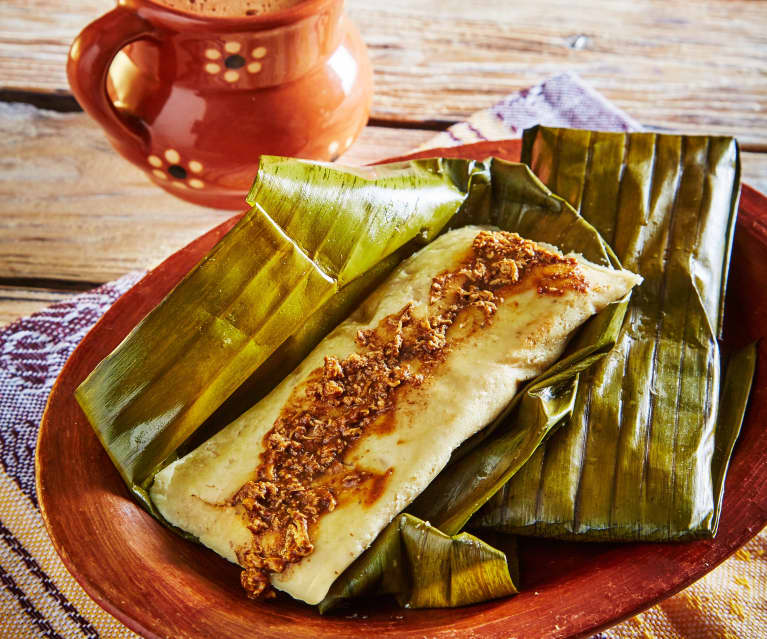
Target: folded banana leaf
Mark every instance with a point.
(644, 453)
(317, 239)
(460, 570)
(283, 263)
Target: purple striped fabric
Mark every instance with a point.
(564, 100)
(38, 598)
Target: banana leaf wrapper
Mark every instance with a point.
(646, 448)
(460, 570)
(317, 240)
(295, 264)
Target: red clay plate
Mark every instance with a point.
(162, 586)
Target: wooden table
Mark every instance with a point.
(73, 214)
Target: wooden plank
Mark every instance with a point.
(688, 65)
(72, 209)
(45, 213)
(376, 143)
(18, 301)
(755, 170)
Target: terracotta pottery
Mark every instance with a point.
(194, 101)
(160, 585)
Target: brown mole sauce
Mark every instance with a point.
(301, 473)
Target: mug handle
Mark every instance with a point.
(88, 63)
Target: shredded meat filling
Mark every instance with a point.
(301, 471)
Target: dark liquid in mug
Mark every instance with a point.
(229, 8)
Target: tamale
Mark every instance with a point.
(297, 487)
(318, 238)
(319, 216)
(644, 454)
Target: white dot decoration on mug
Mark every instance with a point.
(169, 166)
(233, 60)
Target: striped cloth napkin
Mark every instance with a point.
(39, 598)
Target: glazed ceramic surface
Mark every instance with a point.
(161, 585)
(194, 101)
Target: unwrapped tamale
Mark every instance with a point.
(296, 488)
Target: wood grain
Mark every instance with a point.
(687, 65)
(568, 590)
(18, 301)
(72, 210)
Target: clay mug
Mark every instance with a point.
(194, 100)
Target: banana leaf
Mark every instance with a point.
(317, 239)
(289, 259)
(460, 570)
(645, 450)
